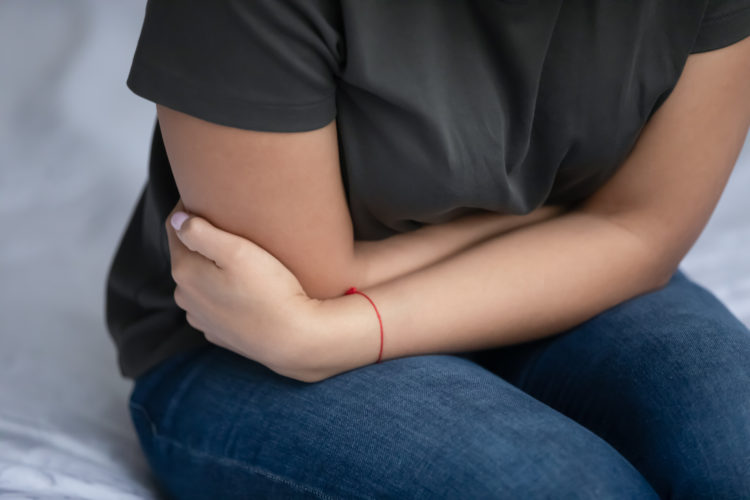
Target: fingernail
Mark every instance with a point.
(178, 219)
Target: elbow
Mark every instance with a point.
(658, 256)
(665, 255)
(657, 259)
(659, 269)
(662, 275)
(657, 281)
(331, 281)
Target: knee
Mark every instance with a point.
(584, 466)
(692, 356)
(562, 467)
(704, 451)
(720, 478)
(703, 365)
(699, 399)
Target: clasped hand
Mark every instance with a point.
(240, 296)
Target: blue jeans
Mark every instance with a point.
(648, 399)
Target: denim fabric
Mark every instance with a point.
(649, 397)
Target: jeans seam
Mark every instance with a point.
(230, 461)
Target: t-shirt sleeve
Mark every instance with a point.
(268, 65)
(724, 23)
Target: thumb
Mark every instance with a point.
(200, 236)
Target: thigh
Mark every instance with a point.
(663, 377)
(214, 424)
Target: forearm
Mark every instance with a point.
(530, 283)
(384, 260)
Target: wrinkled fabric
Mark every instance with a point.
(443, 108)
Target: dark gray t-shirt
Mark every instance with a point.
(443, 107)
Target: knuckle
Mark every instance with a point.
(191, 320)
(178, 271)
(179, 297)
(191, 226)
(213, 339)
(182, 272)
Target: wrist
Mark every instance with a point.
(341, 334)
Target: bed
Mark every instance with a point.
(73, 151)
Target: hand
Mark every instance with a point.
(240, 296)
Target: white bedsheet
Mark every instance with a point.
(73, 151)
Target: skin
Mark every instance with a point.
(384, 260)
(191, 239)
(254, 286)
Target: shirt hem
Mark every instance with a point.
(722, 31)
(161, 87)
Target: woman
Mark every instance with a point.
(509, 185)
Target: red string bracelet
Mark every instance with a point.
(353, 290)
